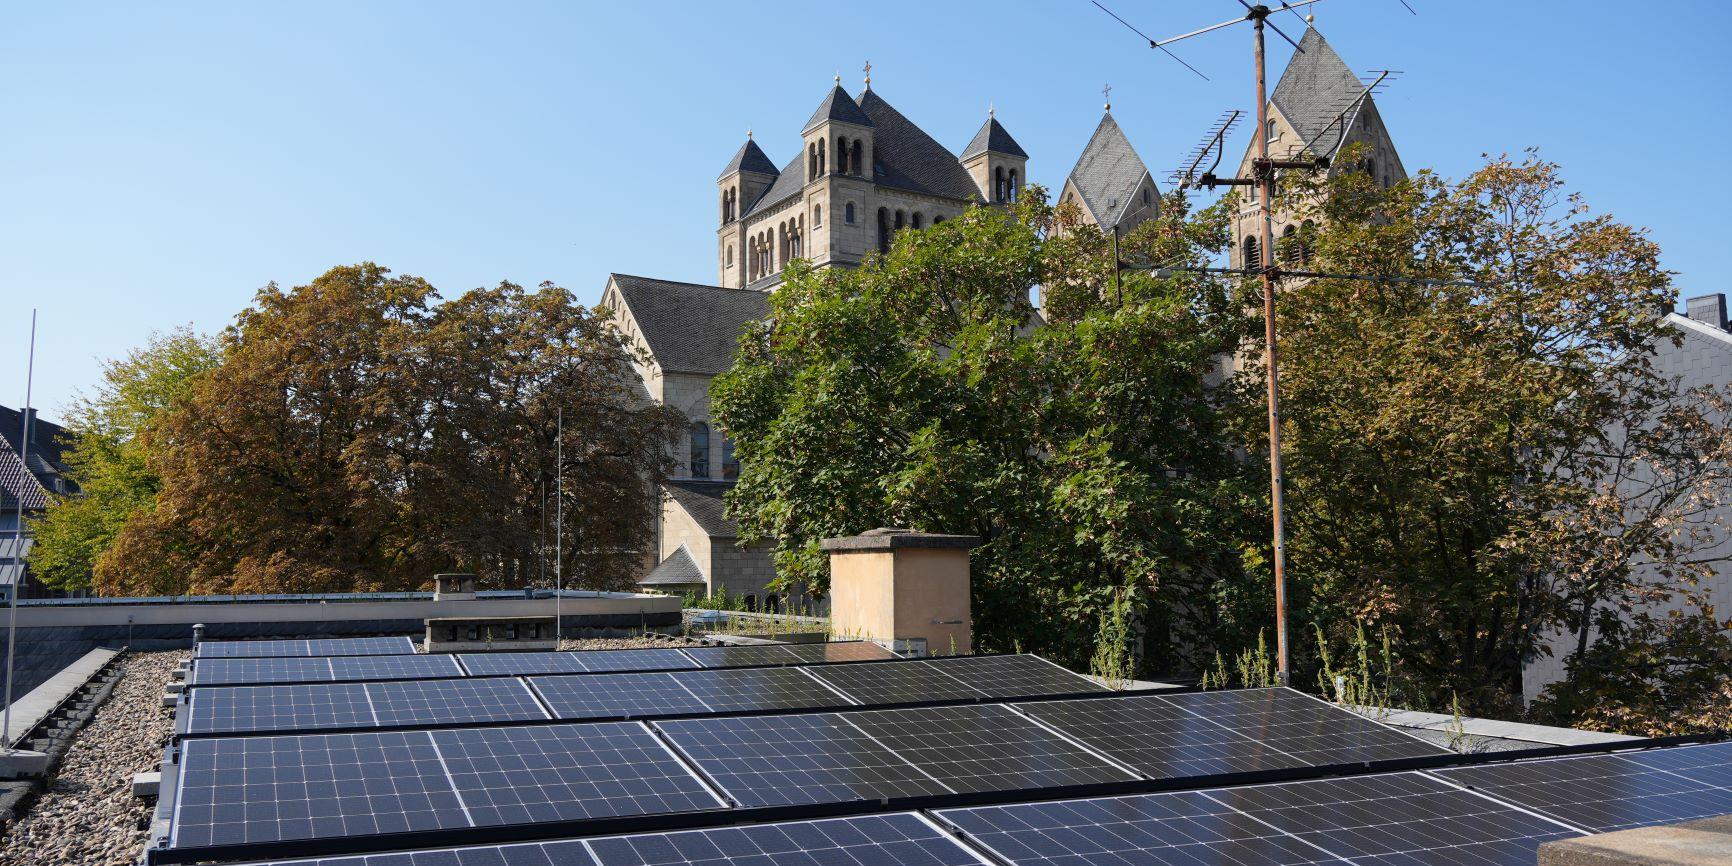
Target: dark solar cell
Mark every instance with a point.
(1182, 829)
(240, 649)
(1015, 676)
(778, 760)
(567, 772)
(342, 646)
(839, 651)
(635, 660)
(361, 646)
(732, 691)
(393, 667)
(411, 702)
(1314, 732)
(1404, 819)
(228, 709)
(741, 656)
(226, 671)
(1613, 792)
(902, 839)
(985, 747)
(1158, 738)
(483, 664)
(909, 682)
(265, 789)
(598, 696)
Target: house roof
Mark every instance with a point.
(703, 501)
(905, 157)
(750, 157)
(1108, 172)
(690, 328)
(993, 138)
(48, 440)
(18, 483)
(839, 106)
(1315, 87)
(679, 569)
(48, 443)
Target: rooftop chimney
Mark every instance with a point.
(1710, 310)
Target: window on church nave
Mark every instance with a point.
(848, 213)
(700, 450)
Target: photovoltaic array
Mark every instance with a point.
(1603, 793)
(235, 671)
(346, 646)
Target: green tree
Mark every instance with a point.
(1081, 443)
(1465, 460)
(109, 455)
(359, 435)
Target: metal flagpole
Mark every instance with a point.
(559, 526)
(18, 539)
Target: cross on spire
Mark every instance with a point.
(1107, 93)
(868, 70)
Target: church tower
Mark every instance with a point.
(997, 163)
(742, 181)
(840, 152)
(1315, 105)
(1110, 184)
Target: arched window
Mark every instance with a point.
(811, 161)
(1371, 168)
(1269, 131)
(730, 463)
(848, 213)
(817, 216)
(1307, 231)
(901, 219)
(937, 219)
(1289, 245)
(821, 169)
(730, 255)
(1146, 196)
(842, 155)
(998, 184)
(700, 454)
(859, 167)
(916, 222)
(883, 230)
(1012, 185)
(1253, 254)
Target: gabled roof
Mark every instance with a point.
(749, 157)
(905, 157)
(17, 483)
(993, 138)
(690, 328)
(1315, 87)
(1108, 172)
(48, 442)
(679, 569)
(788, 184)
(838, 105)
(703, 501)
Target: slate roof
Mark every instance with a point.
(788, 184)
(838, 105)
(690, 328)
(678, 569)
(1315, 86)
(905, 157)
(750, 157)
(48, 442)
(17, 483)
(993, 138)
(703, 501)
(1108, 172)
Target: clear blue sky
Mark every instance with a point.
(162, 161)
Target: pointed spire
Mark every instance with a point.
(1108, 172)
(868, 70)
(993, 138)
(839, 106)
(749, 158)
(1316, 85)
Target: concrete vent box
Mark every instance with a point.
(469, 634)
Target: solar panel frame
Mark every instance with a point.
(1305, 726)
(987, 747)
(746, 690)
(520, 663)
(1157, 738)
(833, 652)
(635, 660)
(741, 656)
(416, 702)
(268, 708)
(616, 696)
(306, 647)
(437, 666)
(259, 671)
(1607, 792)
(1015, 676)
(904, 682)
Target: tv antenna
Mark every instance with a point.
(1214, 141)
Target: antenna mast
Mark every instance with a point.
(559, 527)
(18, 539)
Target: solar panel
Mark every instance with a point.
(226, 671)
(267, 789)
(601, 696)
(1312, 731)
(393, 667)
(522, 663)
(782, 760)
(898, 839)
(1390, 820)
(734, 691)
(567, 772)
(344, 646)
(839, 651)
(229, 709)
(909, 682)
(1602, 793)
(635, 660)
(406, 703)
(1015, 676)
(741, 656)
(986, 747)
(1158, 738)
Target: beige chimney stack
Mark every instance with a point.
(907, 590)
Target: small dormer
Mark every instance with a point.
(838, 138)
(997, 163)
